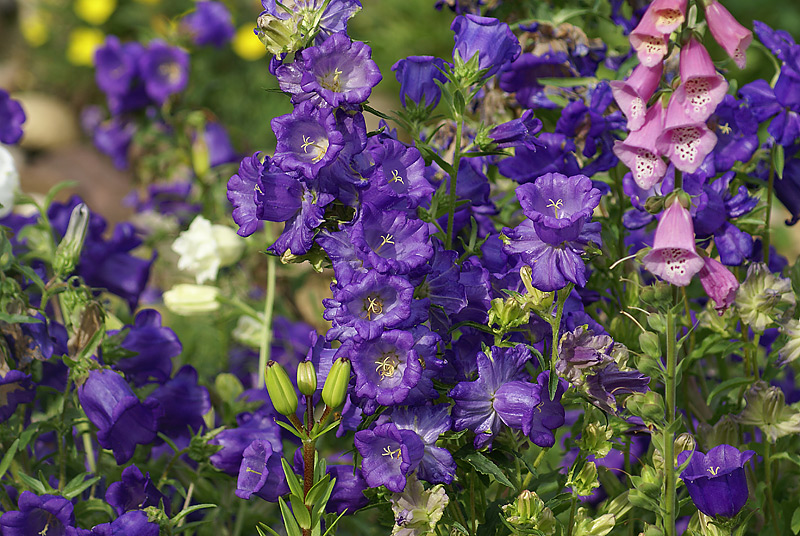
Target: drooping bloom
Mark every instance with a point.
(45, 514)
(209, 24)
(155, 347)
(520, 132)
(261, 473)
(632, 94)
(389, 455)
(551, 240)
(716, 481)
(719, 283)
(668, 14)
(416, 510)
(340, 71)
(674, 257)
(685, 141)
(492, 40)
(639, 151)
(521, 77)
(429, 422)
(134, 491)
(123, 421)
(731, 36)
(702, 87)
(165, 70)
(234, 441)
(417, 75)
(526, 406)
(649, 42)
(11, 118)
(348, 491)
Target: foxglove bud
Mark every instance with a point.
(69, 249)
(280, 389)
(306, 378)
(335, 388)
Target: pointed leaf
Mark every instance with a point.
(291, 479)
(292, 528)
(484, 465)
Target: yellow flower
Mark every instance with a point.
(35, 29)
(247, 45)
(95, 11)
(82, 44)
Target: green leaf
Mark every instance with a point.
(264, 526)
(567, 82)
(289, 427)
(76, 486)
(331, 426)
(484, 465)
(796, 521)
(778, 160)
(291, 479)
(318, 506)
(725, 386)
(51, 195)
(8, 457)
(317, 490)
(17, 319)
(335, 521)
(186, 511)
(292, 528)
(301, 512)
(32, 483)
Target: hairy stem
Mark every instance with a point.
(768, 480)
(451, 205)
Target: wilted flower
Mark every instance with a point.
(134, 491)
(716, 481)
(764, 298)
(416, 510)
(719, 283)
(766, 408)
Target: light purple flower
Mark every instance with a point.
(165, 70)
(639, 151)
(308, 139)
(389, 455)
(429, 422)
(209, 24)
(674, 257)
(633, 93)
(685, 141)
(702, 87)
(391, 242)
(719, 283)
(11, 118)
(731, 36)
(492, 40)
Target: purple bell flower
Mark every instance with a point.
(417, 76)
(308, 139)
(261, 473)
(522, 76)
(737, 133)
(716, 481)
(183, 403)
(234, 441)
(16, 388)
(429, 422)
(135, 522)
(135, 491)
(11, 118)
(389, 455)
(155, 345)
(123, 421)
(220, 150)
(242, 194)
(518, 132)
(113, 138)
(552, 238)
(557, 156)
(116, 66)
(399, 173)
(340, 71)
(46, 514)
(165, 70)
(387, 368)
(209, 24)
(492, 40)
(391, 242)
(526, 406)
(348, 490)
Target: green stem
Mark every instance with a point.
(451, 212)
(555, 326)
(237, 527)
(765, 240)
(669, 434)
(768, 480)
(269, 303)
(573, 507)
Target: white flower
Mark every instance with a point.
(204, 248)
(190, 300)
(9, 182)
(416, 510)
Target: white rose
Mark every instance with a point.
(9, 182)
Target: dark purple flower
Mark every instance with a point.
(46, 514)
(737, 133)
(11, 118)
(183, 403)
(16, 388)
(557, 229)
(557, 155)
(399, 172)
(348, 490)
(391, 242)
(135, 491)
(526, 406)
(389, 455)
(367, 305)
(779, 42)
(209, 24)
(251, 427)
(716, 481)
(473, 408)
(113, 138)
(261, 473)
(155, 347)
(304, 206)
(608, 383)
(242, 194)
(787, 188)
(122, 420)
(308, 139)
(429, 422)
(766, 102)
(417, 75)
(387, 368)
(522, 77)
(165, 70)
(490, 39)
(442, 286)
(135, 522)
(518, 132)
(340, 71)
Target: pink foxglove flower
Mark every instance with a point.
(668, 14)
(702, 87)
(730, 35)
(719, 283)
(632, 94)
(674, 257)
(650, 43)
(639, 152)
(684, 141)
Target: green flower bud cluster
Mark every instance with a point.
(529, 512)
(766, 408)
(764, 298)
(282, 392)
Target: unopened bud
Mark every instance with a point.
(69, 249)
(585, 482)
(280, 389)
(186, 299)
(335, 388)
(306, 378)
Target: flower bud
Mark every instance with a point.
(306, 378)
(585, 482)
(596, 439)
(186, 299)
(280, 389)
(529, 512)
(540, 301)
(507, 314)
(277, 34)
(69, 249)
(766, 408)
(764, 298)
(337, 382)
